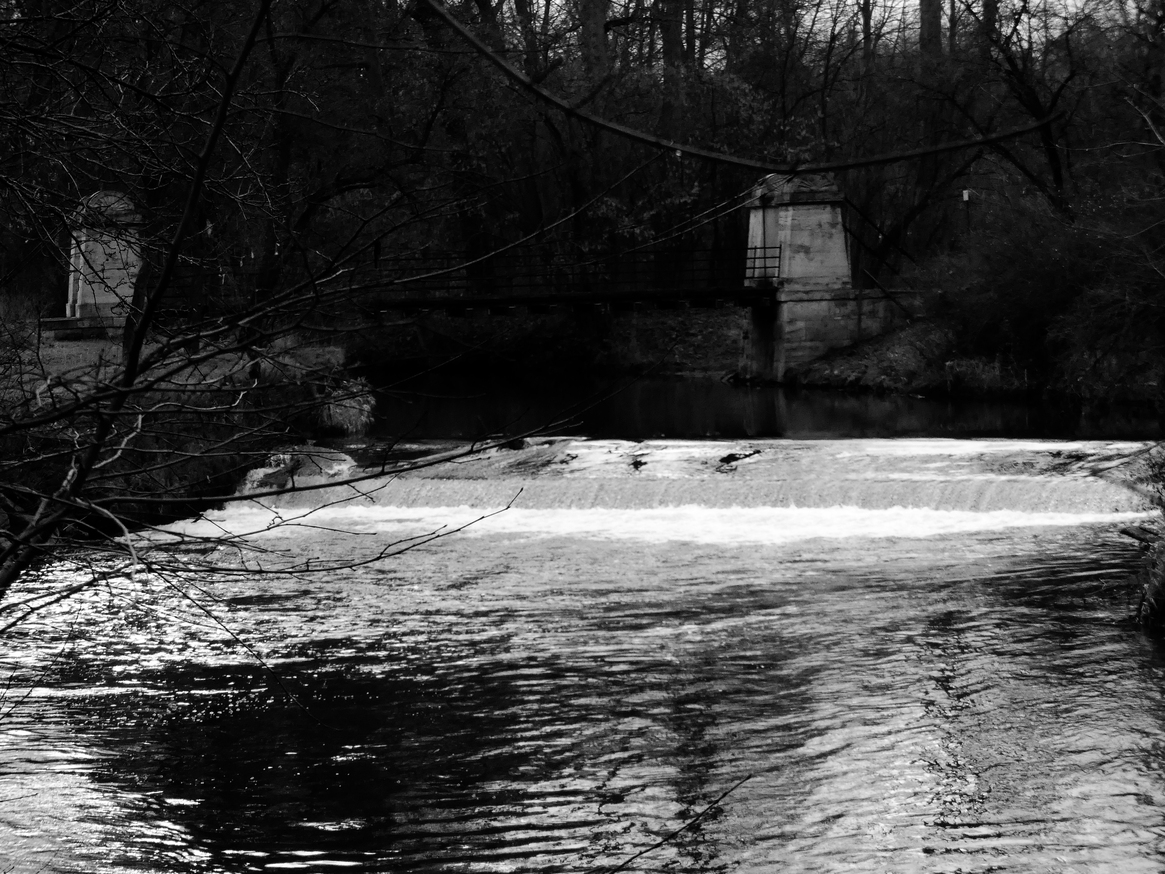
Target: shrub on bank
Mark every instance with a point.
(1068, 304)
(346, 407)
(918, 359)
(191, 435)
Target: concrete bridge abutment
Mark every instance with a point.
(801, 325)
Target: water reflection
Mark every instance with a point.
(679, 408)
(505, 703)
(376, 767)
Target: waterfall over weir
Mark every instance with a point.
(759, 491)
(559, 474)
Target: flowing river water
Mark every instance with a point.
(838, 655)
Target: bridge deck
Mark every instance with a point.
(615, 298)
(541, 280)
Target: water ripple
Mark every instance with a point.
(502, 704)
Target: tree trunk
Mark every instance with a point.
(953, 28)
(671, 31)
(930, 28)
(592, 16)
(867, 11)
(988, 27)
(530, 61)
(489, 17)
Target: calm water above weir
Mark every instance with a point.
(636, 409)
(932, 676)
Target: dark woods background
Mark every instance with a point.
(364, 134)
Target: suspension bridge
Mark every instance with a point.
(781, 253)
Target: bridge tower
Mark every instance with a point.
(796, 235)
(104, 261)
(798, 246)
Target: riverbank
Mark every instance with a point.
(919, 359)
(191, 427)
(925, 358)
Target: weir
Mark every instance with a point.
(943, 475)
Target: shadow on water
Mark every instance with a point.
(370, 766)
(956, 697)
(391, 772)
(687, 408)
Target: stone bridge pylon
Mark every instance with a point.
(798, 246)
(105, 258)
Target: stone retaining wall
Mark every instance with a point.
(814, 321)
(752, 342)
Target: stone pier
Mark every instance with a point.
(104, 261)
(798, 246)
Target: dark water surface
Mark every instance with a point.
(524, 700)
(913, 653)
(636, 409)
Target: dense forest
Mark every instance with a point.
(347, 132)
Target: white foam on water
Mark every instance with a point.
(693, 524)
(715, 492)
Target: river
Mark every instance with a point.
(904, 655)
(442, 406)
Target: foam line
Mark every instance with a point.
(758, 525)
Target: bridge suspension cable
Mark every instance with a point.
(725, 207)
(542, 94)
(461, 265)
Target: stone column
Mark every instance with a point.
(105, 259)
(795, 233)
(797, 246)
